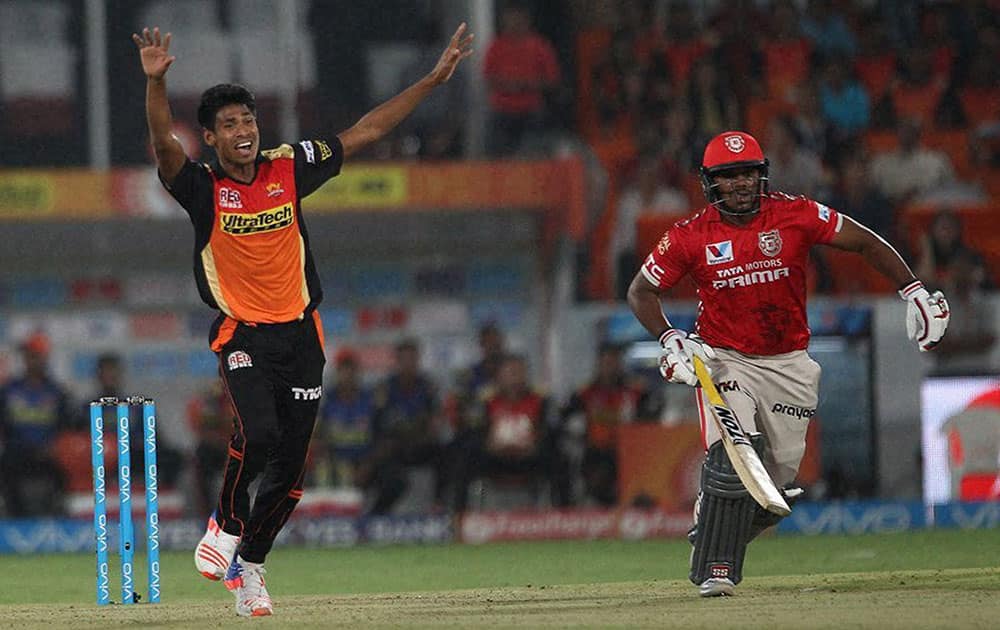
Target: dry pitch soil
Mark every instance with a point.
(949, 598)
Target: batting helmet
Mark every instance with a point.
(732, 150)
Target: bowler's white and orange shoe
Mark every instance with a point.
(215, 551)
(246, 581)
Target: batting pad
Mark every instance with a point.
(724, 521)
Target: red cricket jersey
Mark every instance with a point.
(751, 279)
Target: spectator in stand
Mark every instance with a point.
(941, 246)
(917, 90)
(513, 436)
(616, 84)
(824, 25)
(875, 67)
(787, 53)
(345, 424)
(810, 124)
(739, 47)
(855, 196)
(794, 170)
(972, 331)
(844, 101)
(404, 433)
(677, 140)
(475, 383)
(650, 192)
(492, 349)
(211, 419)
(169, 459)
(34, 409)
(521, 69)
(684, 44)
(712, 104)
(593, 416)
(911, 170)
(979, 94)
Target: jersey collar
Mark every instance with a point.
(216, 167)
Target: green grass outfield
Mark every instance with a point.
(931, 579)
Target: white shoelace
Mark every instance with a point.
(253, 582)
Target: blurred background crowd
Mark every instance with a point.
(887, 110)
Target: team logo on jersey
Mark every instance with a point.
(266, 221)
(238, 359)
(770, 242)
(274, 189)
(736, 144)
(824, 212)
(718, 253)
(325, 152)
(664, 244)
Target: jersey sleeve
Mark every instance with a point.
(668, 262)
(821, 222)
(316, 161)
(193, 189)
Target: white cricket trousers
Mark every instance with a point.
(774, 395)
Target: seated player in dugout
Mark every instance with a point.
(747, 252)
(253, 264)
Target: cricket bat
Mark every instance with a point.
(745, 461)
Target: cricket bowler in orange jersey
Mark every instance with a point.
(253, 264)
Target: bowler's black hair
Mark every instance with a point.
(218, 96)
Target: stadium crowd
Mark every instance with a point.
(888, 111)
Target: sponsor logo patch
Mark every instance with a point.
(727, 386)
(266, 221)
(307, 393)
(793, 410)
(718, 253)
(238, 359)
(274, 189)
(229, 198)
(652, 271)
(823, 212)
(769, 242)
(307, 147)
(719, 570)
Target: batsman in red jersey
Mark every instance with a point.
(747, 252)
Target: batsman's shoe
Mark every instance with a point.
(246, 581)
(215, 551)
(716, 587)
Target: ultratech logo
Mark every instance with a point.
(792, 410)
(266, 221)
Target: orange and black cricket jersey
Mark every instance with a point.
(251, 255)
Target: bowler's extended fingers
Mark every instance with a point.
(458, 34)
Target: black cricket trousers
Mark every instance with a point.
(273, 374)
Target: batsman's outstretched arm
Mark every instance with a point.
(927, 314)
(154, 52)
(384, 118)
(882, 256)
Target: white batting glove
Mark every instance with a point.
(927, 315)
(679, 347)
